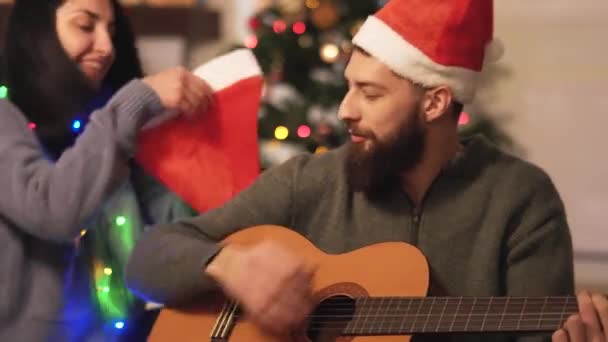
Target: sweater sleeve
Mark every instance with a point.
(539, 260)
(167, 264)
(52, 200)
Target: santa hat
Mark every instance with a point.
(207, 160)
(433, 42)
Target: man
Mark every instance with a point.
(488, 223)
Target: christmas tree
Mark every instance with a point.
(303, 47)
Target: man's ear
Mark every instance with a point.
(436, 103)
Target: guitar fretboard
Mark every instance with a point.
(398, 316)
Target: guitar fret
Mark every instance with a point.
(390, 313)
(445, 305)
(542, 312)
(470, 313)
(397, 313)
(416, 315)
(407, 314)
(563, 312)
(485, 316)
(523, 308)
(351, 326)
(363, 307)
(379, 316)
(428, 316)
(456, 313)
(504, 311)
(376, 304)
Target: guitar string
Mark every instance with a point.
(424, 303)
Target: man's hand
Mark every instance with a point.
(590, 324)
(272, 284)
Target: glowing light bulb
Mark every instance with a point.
(330, 53)
(76, 125)
(251, 42)
(281, 133)
(3, 92)
(304, 131)
(299, 27)
(279, 26)
(121, 221)
(312, 4)
(321, 150)
(464, 119)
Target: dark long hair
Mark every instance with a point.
(44, 82)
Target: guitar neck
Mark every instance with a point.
(399, 315)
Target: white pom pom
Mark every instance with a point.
(494, 51)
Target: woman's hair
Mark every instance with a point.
(46, 85)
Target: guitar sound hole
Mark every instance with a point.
(330, 319)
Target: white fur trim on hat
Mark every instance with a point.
(379, 40)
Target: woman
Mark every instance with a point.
(62, 59)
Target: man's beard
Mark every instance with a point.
(378, 169)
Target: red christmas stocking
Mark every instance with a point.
(206, 161)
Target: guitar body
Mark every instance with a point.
(392, 269)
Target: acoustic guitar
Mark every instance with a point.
(376, 293)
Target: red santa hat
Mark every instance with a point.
(433, 42)
(206, 161)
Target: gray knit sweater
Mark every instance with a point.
(491, 225)
(44, 206)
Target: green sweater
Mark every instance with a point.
(490, 225)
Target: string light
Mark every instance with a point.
(251, 41)
(119, 325)
(321, 150)
(299, 27)
(464, 119)
(3, 92)
(312, 4)
(83, 232)
(121, 221)
(329, 53)
(107, 271)
(106, 289)
(76, 125)
(279, 26)
(281, 133)
(254, 23)
(304, 131)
